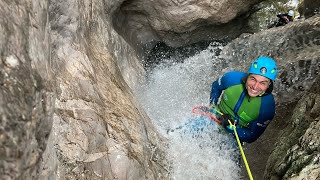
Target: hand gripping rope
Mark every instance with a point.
(204, 111)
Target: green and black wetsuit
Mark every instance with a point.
(252, 114)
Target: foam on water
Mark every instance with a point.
(198, 147)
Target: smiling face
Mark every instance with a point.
(257, 85)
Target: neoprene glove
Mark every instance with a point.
(224, 119)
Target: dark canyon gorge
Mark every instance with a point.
(69, 73)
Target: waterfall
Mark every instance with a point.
(198, 147)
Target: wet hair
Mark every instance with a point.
(270, 88)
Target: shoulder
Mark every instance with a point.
(233, 77)
(268, 104)
(229, 79)
(236, 74)
(268, 99)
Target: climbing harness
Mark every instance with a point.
(205, 111)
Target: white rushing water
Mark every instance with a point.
(168, 97)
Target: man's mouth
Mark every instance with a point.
(253, 91)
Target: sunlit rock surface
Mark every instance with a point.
(26, 97)
(99, 131)
(66, 76)
(67, 108)
(181, 22)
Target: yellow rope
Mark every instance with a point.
(239, 144)
(215, 109)
(241, 150)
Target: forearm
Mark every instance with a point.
(215, 92)
(250, 134)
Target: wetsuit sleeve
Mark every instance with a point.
(216, 90)
(225, 81)
(258, 126)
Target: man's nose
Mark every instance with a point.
(255, 86)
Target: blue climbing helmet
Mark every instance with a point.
(264, 66)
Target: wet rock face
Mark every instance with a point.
(66, 102)
(311, 7)
(295, 47)
(296, 155)
(26, 102)
(179, 23)
(66, 78)
(99, 131)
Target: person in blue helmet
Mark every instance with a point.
(246, 99)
